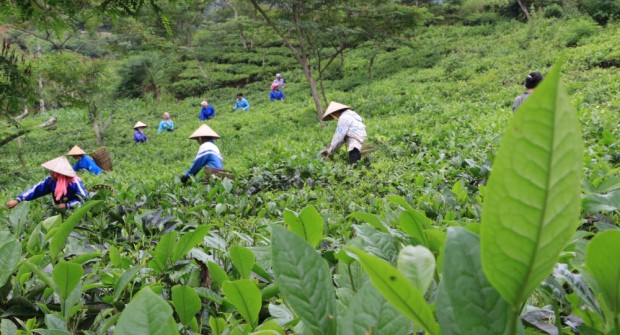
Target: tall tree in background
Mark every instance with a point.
(318, 31)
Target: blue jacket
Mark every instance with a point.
(165, 125)
(208, 155)
(139, 137)
(276, 95)
(76, 193)
(88, 164)
(242, 104)
(207, 113)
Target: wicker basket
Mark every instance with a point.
(209, 171)
(102, 158)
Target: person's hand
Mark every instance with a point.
(184, 179)
(62, 206)
(12, 204)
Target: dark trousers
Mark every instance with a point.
(354, 156)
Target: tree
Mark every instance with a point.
(319, 31)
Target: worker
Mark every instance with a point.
(208, 153)
(83, 161)
(350, 130)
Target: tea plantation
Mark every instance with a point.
(461, 218)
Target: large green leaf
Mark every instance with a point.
(125, 278)
(370, 313)
(418, 265)
(7, 327)
(188, 241)
(66, 276)
(163, 252)
(59, 239)
(147, 313)
(246, 297)
(218, 275)
(397, 289)
(604, 265)
(466, 302)
(532, 201)
(304, 280)
(243, 260)
(186, 303)
(10, 255)
(309, 224)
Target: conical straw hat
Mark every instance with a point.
(140, 125)
(333, 108)
(60, 165)
(76, 151)
(204, 131)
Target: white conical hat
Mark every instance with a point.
(204, 131)
(76, 151)
(60, 165)
(140, 125)
(333, 108)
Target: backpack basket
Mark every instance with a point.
(209, 171)
(102, 158)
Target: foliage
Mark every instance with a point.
(602, 11)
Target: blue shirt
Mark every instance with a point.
(207, 113)
(242, 104)
(165, 125)
(76, 193)
(139, 137)
(276, 95)
(208, 155)
(88, 164)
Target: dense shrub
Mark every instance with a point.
(579, 31)
(602, 10)
(553, 10)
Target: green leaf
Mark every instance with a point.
(7, 327)
(42, 275)
(370, 313)
(594, 203)
(186, 303)
(147, 313)
(304, 280)
(466, 302)
(53, 332)
(372, 219)
(10, 256)
(308, 225)
(533, 198)
(125, 278)
(115, 257)
(188, 241)
(606, 269)
(217, 325)
(243, 260)
(66, 276)
(418, 265)
(163, 252)
(397, 289)
(59, 239)
(246, 297)
(218, 275)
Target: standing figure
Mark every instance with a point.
(241, 103)
(138, 133)
(166, 123)
(531, 81)
(350, 129)
(208, 153)
(275, 93)
(279, 80)
(83, 161)
(207, 112)
(66, 187)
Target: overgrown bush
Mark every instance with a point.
(579, 31)
(602, 11)
(553, 10)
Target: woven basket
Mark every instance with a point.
(209, 171)
(102, 158)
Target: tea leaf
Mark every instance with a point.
(10, 255)
(186, 303)
(59, 239)
(188, 241)
(305, 281)
(243, 260)
(66, 276)
(309, 224)
(147, 313)
(606, 269)
(533, 197)
(163, 252)
(125, 278)
(246, 297)
(418, 265)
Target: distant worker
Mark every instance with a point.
(138, 133)
(531, 81)
(83, 161)
(208, 153)
(280, 81)
(207, 112)
(66, 187)
(350, 129)
(241, 103)
(275, 93)
(165, 124)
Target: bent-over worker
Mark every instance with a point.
(83, 161)
(208, 153)
(350, 130)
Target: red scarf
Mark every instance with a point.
(62, 182)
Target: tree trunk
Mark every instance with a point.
(305, 66)
(22, 132)
(372, 61)
(524, 9)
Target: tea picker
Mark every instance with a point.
(208, 153)
(66, 187)
(138, 134)
(350, 130)
(83, 161)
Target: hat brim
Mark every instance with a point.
(333, 107)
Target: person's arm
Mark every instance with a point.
(78, 165)
(339, 135)
(37, 191)
(161, 127)
(272, 95)
(171, 125)
(202, 115)
(246, 104)
(80, 194)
